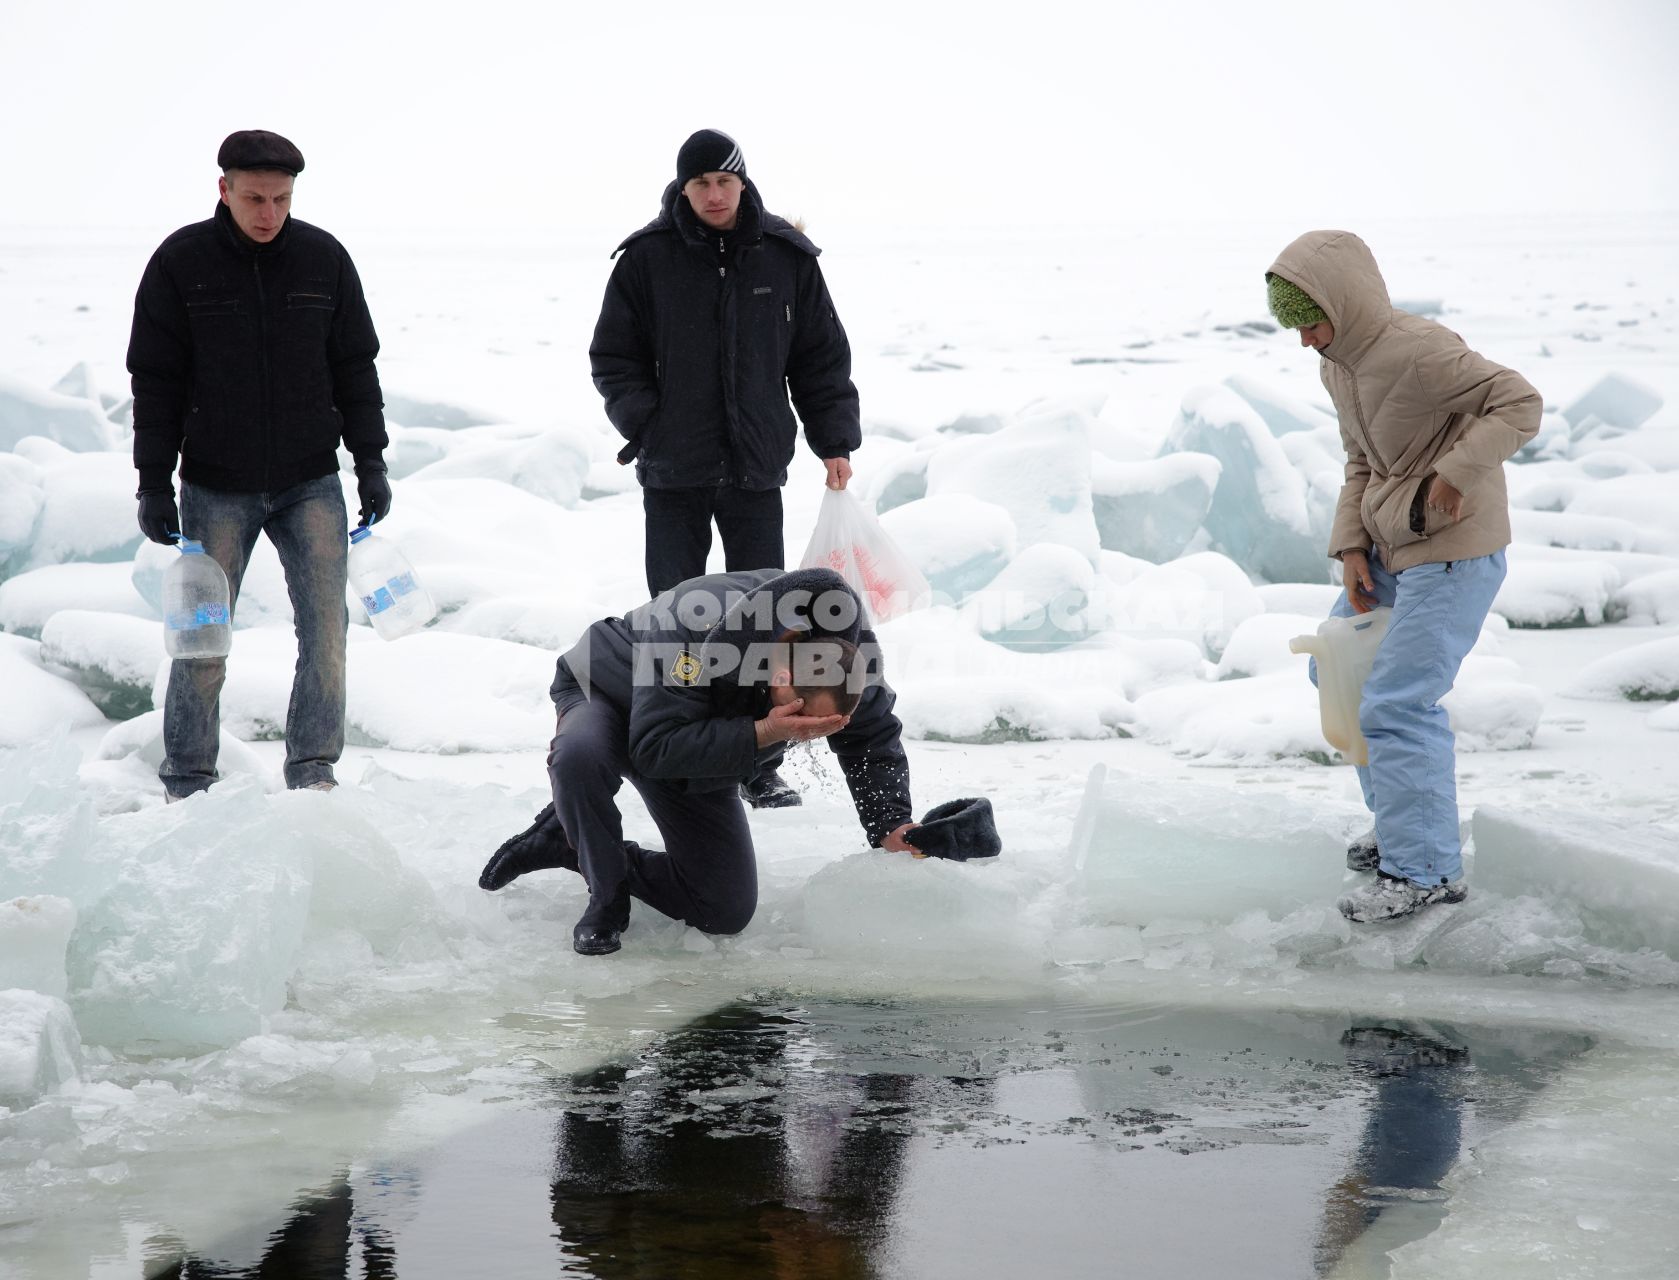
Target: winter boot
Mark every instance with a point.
(770, 791)
(597, 932)
(1391, 897)
(539, 846)
(1363, 854)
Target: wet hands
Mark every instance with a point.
(786, 724)
(1355, 577)
(896, 843)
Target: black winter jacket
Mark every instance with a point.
(252, 361)
(694, 726)
(701, 337)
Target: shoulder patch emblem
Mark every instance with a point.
(686, 668)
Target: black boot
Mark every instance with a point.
(538, 847)
(1364, 854)
(769, 790)
(596, 934)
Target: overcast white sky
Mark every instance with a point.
(418, 116)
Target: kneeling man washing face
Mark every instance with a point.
(687, 697)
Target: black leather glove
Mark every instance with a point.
(374, 489)
(159, 520)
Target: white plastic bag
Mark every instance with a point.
(849, 540)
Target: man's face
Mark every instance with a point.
(715, 199)
(1317, 336)
(822, 704)
(259, 200)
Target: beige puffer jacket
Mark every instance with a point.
(1414, 402)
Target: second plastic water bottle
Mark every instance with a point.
(1345, 649)
(384, 582)
(197, 616)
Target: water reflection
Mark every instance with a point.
(834, 1140)
(710, 1159)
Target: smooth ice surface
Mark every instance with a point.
(1259, 513)
(1152, 508)
(1611, 870)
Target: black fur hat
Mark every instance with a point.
(958, 830)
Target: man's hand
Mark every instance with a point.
(785, 724)
(374, 490)
(896, 843)
(1355, 576)
(839, 471)
(159, 520)
(1442, 497)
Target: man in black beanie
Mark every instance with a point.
(715, 312)
(252, 359)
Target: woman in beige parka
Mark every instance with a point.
(1421, 527)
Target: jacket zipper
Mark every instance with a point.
(722, 251)
(262, 344)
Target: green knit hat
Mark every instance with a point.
(1290, 303)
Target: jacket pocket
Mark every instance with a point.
(1426, 521)
(200, 308)
(310, 301)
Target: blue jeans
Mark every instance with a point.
(308, 526)
(1410, 784)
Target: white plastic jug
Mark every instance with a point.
(1346, 650)
(197, 617)
(385, 584)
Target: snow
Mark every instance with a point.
(1647, 672)
(1121, 546)
(1546, 593)
(74, 422)
(33, 935)
(1651, 600)
(39, 1050)
(29, 599)
(959, 542)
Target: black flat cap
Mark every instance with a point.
(259, 149)
(958, 830)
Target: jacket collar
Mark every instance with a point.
(756, 222)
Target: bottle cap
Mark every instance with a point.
(188, 547)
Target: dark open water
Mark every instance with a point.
(790, 1138)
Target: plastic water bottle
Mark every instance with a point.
(1346, 650)
(384, 582)
(197, 616)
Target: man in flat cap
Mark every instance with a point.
(715, 312)
(252, 361)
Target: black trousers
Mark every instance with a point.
(679, 531)
(707, 876)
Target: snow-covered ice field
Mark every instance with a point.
(1116, 475)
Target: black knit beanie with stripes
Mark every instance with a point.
(709, 151)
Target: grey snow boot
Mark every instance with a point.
(1363, 854)
(1392, 897)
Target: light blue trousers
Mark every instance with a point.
(1410, 784)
